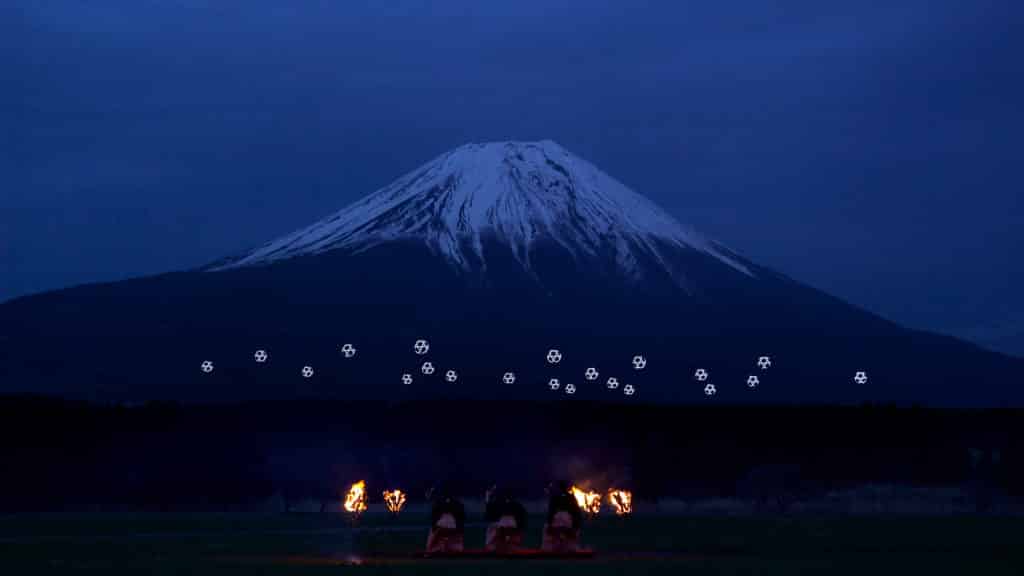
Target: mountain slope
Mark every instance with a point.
(494, 253)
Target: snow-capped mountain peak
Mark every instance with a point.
(514, 192)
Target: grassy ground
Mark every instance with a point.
(320, 543)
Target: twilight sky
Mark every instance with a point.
(870, 149)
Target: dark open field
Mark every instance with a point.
(247, 489)
(644, 544)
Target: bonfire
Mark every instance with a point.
(621, 501)
(394, 500)
(355, 500)
(589, 502)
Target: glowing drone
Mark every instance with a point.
(509, 378)
(307, 371)
(764, 362)
(421, 347)
(554, 356)
(260, 356)
(554, 384)
(628, 390)
(753, 381)
(701, 375)
(406, 379)
(570, 388)
(860, 377)
(709, 390)
(427, 368)
(348, 350)
(206, 366)
(590, 374)
(639, 362)
(451, 376)
(613, 383)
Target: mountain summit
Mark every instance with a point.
(516, 194)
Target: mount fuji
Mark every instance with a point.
(494, 253)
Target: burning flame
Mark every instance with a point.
(589, 502)
(355, 500)
(622, 501)
(394, 500)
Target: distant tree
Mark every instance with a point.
(772, 487)
(985, 466)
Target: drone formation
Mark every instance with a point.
(554, 356)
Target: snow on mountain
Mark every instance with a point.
(514, 192)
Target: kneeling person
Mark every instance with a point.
(562, 529)
(447, 522)
(506, 521)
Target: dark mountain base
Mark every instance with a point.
(145, 339)
(61, 455)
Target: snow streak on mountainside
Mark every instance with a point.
(517, 193)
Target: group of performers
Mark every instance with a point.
(506, 521)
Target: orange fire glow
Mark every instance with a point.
(394, 500)
(589, 502)
(622, 501)
(355, 500)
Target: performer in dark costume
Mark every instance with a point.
(506, 521)
(564, 519)
(447, 521)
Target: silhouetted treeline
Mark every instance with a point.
(60, 455)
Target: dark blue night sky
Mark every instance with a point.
(871, 149)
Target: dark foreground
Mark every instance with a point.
(644, 544)
(859, 490)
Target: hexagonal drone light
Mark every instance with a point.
(590, 374)
(710, 390)
(206, 366)
(554, 356)
(554, 384)
(260, 356)
(427, 368)
(764, 362)
(509, 378)
(701, 375)
(570, 388)
(406, 379)
(307, 371)
(639, 362)
(753, 381)
(421, 347)
(628, 390)
(348, 350)
(613, 383)
(860, 377)
(451, 376)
